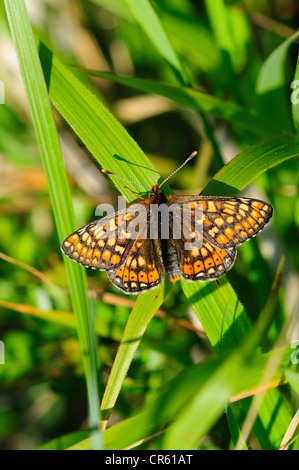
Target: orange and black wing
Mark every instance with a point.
(142, 268)
(132, 261)
(105, 243)
(214, 228)
(206, 263)
(227, 221)
(232, 221)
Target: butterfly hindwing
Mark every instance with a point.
(142, 269)
(198, 259)
(207, 262)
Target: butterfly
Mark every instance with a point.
(204, 248)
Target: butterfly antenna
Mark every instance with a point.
(107, 172)
(136, 195)
(193, 154)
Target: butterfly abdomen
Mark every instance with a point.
(170, 260)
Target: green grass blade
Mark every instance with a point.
(58, 186)
(172, 399)
(208, 403)
(100, 131)
(147, 18)
(200, 102)
(185, 32)
(252, 162)
(200, 413)
(272, 88)
(149, 21)
(140, 317)
(66, 441)
(293, 379)
(222, 34)
(234, 428)
(211, 301)
(200, 406)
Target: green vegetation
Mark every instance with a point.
(208, 365)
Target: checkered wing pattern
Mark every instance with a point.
(205, 263)
(229, 222)
(142, 268)
(133, 263)
(214, 231)
(98, 244)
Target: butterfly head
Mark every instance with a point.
(155, 191)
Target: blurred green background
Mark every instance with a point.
(42, 387)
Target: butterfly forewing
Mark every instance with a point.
(104, 244)
(235, 220)
(229, 221)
